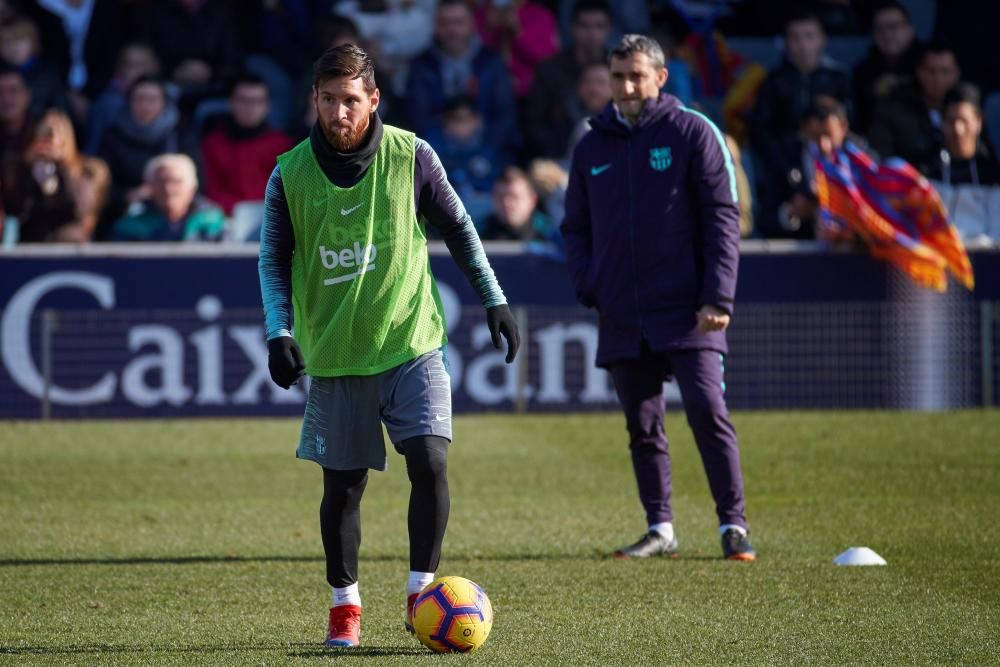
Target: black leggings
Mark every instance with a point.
(340, 511)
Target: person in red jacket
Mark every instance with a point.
(239, 156)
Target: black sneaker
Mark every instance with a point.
(650, 544)
(736, 546)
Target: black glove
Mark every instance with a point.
(501, 321)
(284, 360)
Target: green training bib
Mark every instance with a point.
(363, 294)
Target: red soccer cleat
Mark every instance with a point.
(345, 626)
(410, 599)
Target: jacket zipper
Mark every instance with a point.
(631, 230)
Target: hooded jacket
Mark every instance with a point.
(652, 228)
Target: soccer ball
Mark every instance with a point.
(452, 615)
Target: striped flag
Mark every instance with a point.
(894, 210)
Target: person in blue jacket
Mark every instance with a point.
(457, 63)
(652, 243)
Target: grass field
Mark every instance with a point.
(197, 542)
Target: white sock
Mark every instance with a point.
(726, 526)
(418, 581)
(347, 595)
(666, 529)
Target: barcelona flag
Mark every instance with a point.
(894, 210)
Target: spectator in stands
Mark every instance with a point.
(908, 123)
(458, 64)
(198, 44)
(515, 211)
(65, 190)
(281, 40)
(593, 92)
(965, 175)
(174, 211)
(549, 117)
(148, 127)
(524, 32)
(784, 97)
(82, 38)
(134, 60)
(472, 164)
(838, 16)
(550, 179)
(826, 126)
(627, 17)
(238, 157)
(287, 32)
(964, 160)
(891, 61)
(401, 29)
(20, 47)
(15, 136)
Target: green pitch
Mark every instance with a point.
(196, 542)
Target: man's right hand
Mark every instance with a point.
(284, 360)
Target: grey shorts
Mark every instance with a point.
(342, 427)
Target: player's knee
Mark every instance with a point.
(341, 487)
(426, 459)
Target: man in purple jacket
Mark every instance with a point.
(652, 243)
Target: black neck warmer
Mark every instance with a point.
(346, 167)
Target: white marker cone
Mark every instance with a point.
(859, 556)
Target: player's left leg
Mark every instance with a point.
(416, 411)
(700, 376)
(430, 504)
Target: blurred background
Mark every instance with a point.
(159, 122)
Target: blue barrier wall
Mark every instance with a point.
(119, 331)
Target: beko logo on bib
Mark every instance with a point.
(364, 258)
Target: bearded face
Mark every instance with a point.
(344, 109)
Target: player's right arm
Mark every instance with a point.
(274, 266)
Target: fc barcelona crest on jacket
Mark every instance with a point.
(660, 158)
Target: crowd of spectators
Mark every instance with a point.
(161, 120)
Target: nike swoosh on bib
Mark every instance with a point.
(348, 211)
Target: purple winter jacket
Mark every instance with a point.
(652, 228)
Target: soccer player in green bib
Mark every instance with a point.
(344, 250)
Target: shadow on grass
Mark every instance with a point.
(364, 651)
(189, 560)
(302, 650)
(82, 649)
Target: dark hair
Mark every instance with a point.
(935, 46)
(149, 79)
(886, 5)
(345, 60)
(246, 79)
(336, 29)
(963, 92)
(583, 6)
(633, 44)
(452, 3)
(10, 70)
(460, 101)
(823, 107)
(802, 15)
